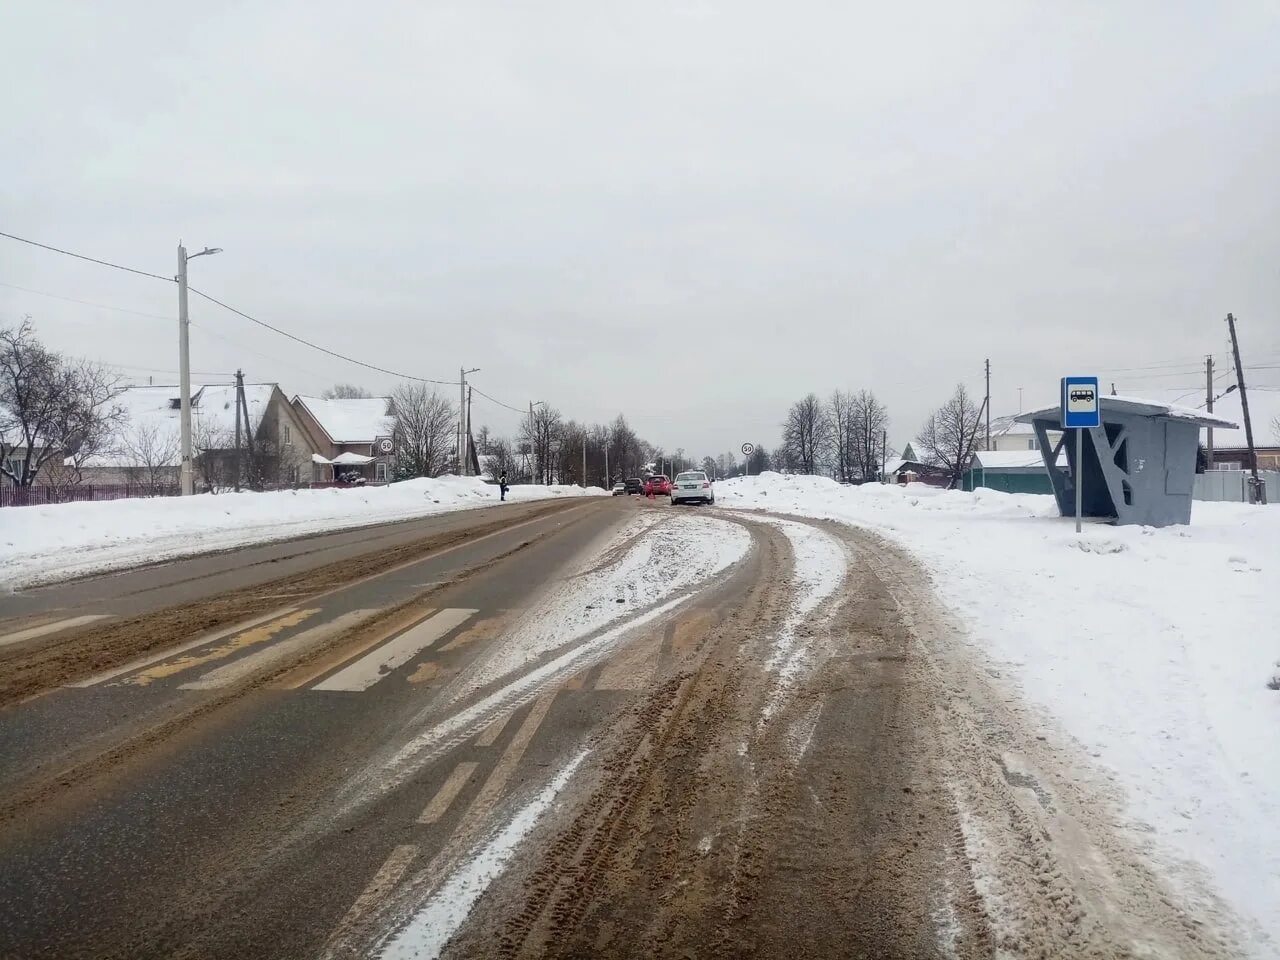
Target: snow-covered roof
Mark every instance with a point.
(360, 420)
(350, 460)
(1009, 426)
(1012, 459)
(1140, 406)
(213, 408)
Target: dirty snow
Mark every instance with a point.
(1151, 649)
(44, 544)
(663, 558)
(426, 935)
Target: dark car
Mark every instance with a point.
(635, 485)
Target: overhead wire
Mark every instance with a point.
(81, 256)
(495, 400)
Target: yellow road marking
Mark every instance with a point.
(238, 642)
(632, 667)
(380, 663)
(383, 882)
(448, 792)
(494, 731)
(157, 655)
(301, 677)
(484, 630)
(278, 652)
(426, 671)
(488, 796)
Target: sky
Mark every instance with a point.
(693, 213)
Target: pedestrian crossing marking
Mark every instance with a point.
(54, 626)
(238, 642)
(373, 666)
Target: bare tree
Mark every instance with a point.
(151, 452)
(844, 461)
(542, 434)
(709, 466)
(948, 436)
(501, 459)
(869, 421)
(51, 408)
(208, 443)
(424, 430)
(346, 391)
(806, 435)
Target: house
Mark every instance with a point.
(147, 448)
(1230, 447)
(349, 436)
(1010, 471)
(1008, 434)
(912, 468)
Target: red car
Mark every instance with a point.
(658, 485)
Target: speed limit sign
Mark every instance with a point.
(748, 449)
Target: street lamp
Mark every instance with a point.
(185, 477)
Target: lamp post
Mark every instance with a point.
(185, 477)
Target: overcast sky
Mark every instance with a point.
(693, 212)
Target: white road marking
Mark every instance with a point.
(372, 667)
(147, 659)
(280, 650)
(47, 628)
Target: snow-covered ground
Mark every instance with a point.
(42, 544)
(1151, 647)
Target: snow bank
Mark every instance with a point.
(42, 544)
(1151, 647)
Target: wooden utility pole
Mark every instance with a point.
(987, 403)
(1208, 405)
(1259, 489)
(884, 453)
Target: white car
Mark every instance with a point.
(692, 486)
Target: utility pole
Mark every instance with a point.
(884, 453)
(463, 425)
(607, 484)
(1208, 405)
(584, 459)
(987, 403)
(186, 478)
(239, 400)
(1259, 486)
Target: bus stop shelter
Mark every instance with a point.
(1139, 466)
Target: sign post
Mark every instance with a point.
(747, 450)
(1081, 410)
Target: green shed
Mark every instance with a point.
(1009, 471)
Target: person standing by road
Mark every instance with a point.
(502, 485)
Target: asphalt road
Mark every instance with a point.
(347, 746)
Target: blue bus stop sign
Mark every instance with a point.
(1080, 403)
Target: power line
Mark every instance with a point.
(498, 402)
(316, 346)
(87, 303)
(81, 256)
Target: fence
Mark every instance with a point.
(38, 496)
(1231, 485)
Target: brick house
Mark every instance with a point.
(349, 436)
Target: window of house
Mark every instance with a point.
(15, 465)
(380, 470)
(1033, 444)
(286, 434)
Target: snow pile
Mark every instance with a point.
(1151, 647)
(42, 544)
